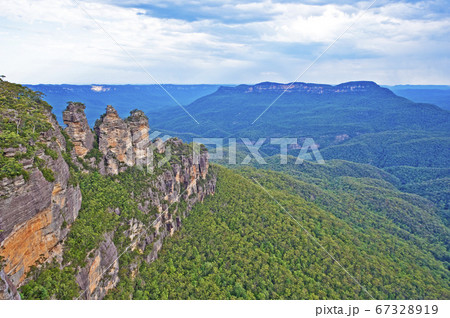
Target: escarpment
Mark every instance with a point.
(74, 201)
(170, 180)
(166, 200)
(37, 206)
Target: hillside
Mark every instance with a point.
(107, 213)
(432, 94)
(73, 200)
(240, 244)
(379, 127)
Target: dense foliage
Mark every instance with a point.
(109, 203)
(240, 244)
(102, 196)
(263, 235)
(23, 117)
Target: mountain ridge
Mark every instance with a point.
(312, 88)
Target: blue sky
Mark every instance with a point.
(228, 41)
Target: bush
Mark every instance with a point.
(48, 174)
(10, 168)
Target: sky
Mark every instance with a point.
(224, 41)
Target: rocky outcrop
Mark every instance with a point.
(186, 181)
(101, 272)
(78, 128)
(138, 126)
(123, 143)
(35, 215)
(114, 141)
(7, 289)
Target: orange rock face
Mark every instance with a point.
(28, 244)
(124, 143)
(94, 274)
(78, 128)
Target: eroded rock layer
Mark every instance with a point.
(35, 214)
(38, 207)
(78, 128)
(187, 182)
(123, 143)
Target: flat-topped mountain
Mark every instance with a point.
(84, 216)
(362, 113)
(308, 88)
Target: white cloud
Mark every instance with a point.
(55, 41)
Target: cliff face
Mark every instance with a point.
(8, 290)
(100, 274)
(306, 88)
(40, 198)
(35, 214)
(186, 182)
(138, 126)
(78, 128)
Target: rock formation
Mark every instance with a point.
(123, 143)
(78, 128)
(185, 181)
(7, 289)
(138, 126)
(103, 262)
(35, 215)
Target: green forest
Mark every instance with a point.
(371, 223)
(240, 244)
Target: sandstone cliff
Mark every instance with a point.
(41, 197)
(78, 128)
(35, 214)
(167, 199)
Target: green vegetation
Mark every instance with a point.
(382, 213)
(395, 148)
(23, 118)
(430, 183)
(102, 196)
(240, 244)
(330, 118)
(346, 189)
(46, 172)
(10, 168)
(51, 283)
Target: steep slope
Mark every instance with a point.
(38, 201)
(372, 187)
(395, 148)
(108, 212)
(240, 244)
(431, 183)
(72, 202)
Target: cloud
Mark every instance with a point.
(227, 41)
